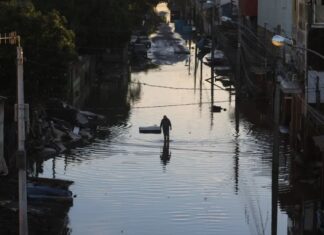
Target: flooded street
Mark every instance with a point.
(214, 178)
(217, 181)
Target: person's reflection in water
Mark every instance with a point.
(165, 154)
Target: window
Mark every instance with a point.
(318, 9)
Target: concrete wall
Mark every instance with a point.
(80, 80)
(274, 13)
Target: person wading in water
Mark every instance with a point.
(166, 127)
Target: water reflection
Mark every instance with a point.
(236, 141)
(165, 154)
(236, 163)
(134, 91)
(214, 159)
(121, 185)
(54, 167)
(301, 195)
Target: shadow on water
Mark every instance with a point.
(114, 102)
(165, 154)
(296, 186)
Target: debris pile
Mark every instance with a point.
(59, 126)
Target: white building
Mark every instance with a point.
(276, 13)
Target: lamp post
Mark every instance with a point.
(276, 149)
(280, 41)
(275, 159)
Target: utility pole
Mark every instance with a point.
(23, 223)
(275, 158)
(14, 39)
(212, 55)
(275, 153)
(238, 70)
(238, 56)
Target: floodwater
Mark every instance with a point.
(215, 177)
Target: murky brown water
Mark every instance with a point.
(217, 181)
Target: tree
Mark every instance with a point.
(100, 24)
(48, 48)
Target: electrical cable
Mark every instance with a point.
(145, 84)
(177, 105)
(175, 88)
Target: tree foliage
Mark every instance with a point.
(48, 48)
(101, 23)
(49, 44)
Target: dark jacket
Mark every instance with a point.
(165, 125)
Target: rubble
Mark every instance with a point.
(58, 127)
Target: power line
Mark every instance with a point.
(162, 106)
(177, 105)
(147, 84)
(175, 88)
